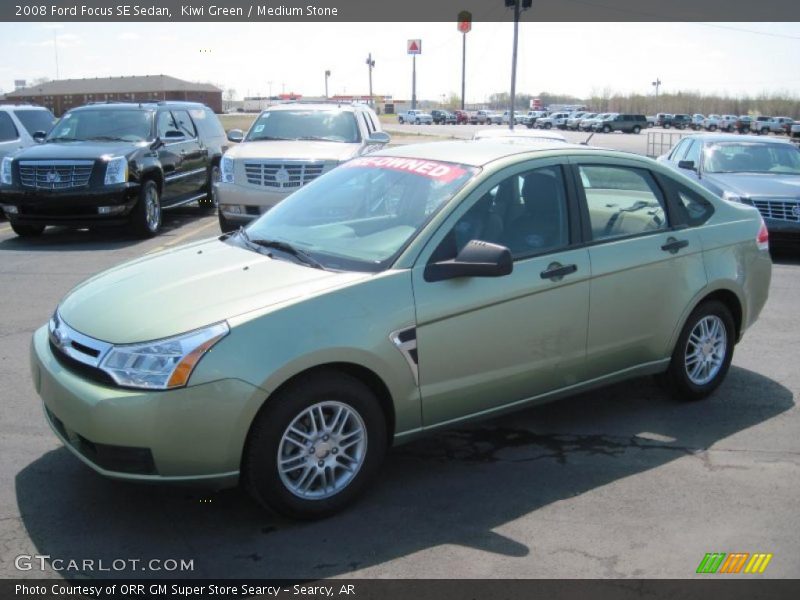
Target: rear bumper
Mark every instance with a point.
(73, 207)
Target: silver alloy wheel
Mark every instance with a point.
(322, 450)
(705, 350)
(152, 208)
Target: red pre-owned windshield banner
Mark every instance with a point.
(432, 169)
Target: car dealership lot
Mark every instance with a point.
(620, 482)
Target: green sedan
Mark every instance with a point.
(404, 291)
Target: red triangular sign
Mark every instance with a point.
(413, 47)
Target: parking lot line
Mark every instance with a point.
(182, 237)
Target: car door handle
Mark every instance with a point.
(556, 271)
(673, 245)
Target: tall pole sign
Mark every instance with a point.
(518, 6)
(414, 47)
(464, 26)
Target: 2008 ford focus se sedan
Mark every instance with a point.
(404, 291)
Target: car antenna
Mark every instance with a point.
(586, 141)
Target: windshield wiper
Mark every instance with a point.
(302, 255)
(64, 139)
(105, 138)
(271, 138)
(316, 139)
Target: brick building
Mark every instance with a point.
(59, 96)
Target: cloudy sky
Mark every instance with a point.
(575, 58)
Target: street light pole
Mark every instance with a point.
(514, 66)
(463, 68)
(413, 82)
(657, 84)
(327, 74)
(370, 64)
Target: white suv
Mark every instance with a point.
(19, 123)
(288, 146)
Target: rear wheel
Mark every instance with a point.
(703, 353)
(27, 230)
(548, 125)
(315, 446)
(606, 129)
(636, 129)
(712, 127)
(211, 201)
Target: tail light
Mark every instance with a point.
(762, 239)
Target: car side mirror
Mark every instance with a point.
(476, 259)
(686, 164)
(39, 136)
(379, 137)
(235, 136)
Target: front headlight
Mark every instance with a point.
(226, 168)
(5, 170)
(161, 364)
(731, 197)
(116, 170)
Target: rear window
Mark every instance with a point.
(7, 129)
(207, 123)
(35, 120)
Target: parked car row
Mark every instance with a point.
(761, 125)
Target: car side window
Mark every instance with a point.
(527, 213)
(693, 209)
(8, 131)
(165, 123)
(693, 153)
(678, 151)
(622, 201)
(184, 122)
(367, 124)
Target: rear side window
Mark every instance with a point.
(7, 130)
(622, 201)
(692, 208)
(207, 122)
(35, 120)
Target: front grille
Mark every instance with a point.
(787, 209)
(286, 175)
(55, 174)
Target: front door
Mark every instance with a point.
(484, 343)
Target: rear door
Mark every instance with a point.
(194, 153)
(484, 343)
(647, 265)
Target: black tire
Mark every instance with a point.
(636, 129)
(667, 125)
(416, 122)
(27, 231)
(712, 127)
(225, 225)
(606, 129)
(677, 379)
(146, 222)
(211, 202)
(400, 120)
(260, 465)
(548, 125)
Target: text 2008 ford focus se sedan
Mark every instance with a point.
(404, 291)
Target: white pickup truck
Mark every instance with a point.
(417, 117)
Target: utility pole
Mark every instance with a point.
(657, 84)
(518, 5)
(327, 74)
(464, 26)
(414, 47)
(370, 65)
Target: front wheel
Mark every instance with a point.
(211, 201)
(606, 129)
(27, 230)
(636, 129)
(146, 215)
(315, 446)
(703, 354)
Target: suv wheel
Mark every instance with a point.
(548, 125)
(606, 129)
(27, 230)
(315, 446)
(146, 215)
(712, 127)
(636, 129)
(211, 202)
(416, 122)
(703, 354)
(400, 120)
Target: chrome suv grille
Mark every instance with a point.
(55, 174)
(282, 175)
(783, 209)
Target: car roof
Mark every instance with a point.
(734, 137)
(138, 105)
(329, 106)
(22, 107)
(477, 153)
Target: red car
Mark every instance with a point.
(462, 117)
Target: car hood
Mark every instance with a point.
(78, 150)
(295, 150)
(756, 184)
(187, 288)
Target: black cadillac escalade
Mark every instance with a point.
(114, 164)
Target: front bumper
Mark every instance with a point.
(77, 207)
(244, 204)
(194, 434)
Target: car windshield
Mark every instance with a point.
(361, 215)
(323, 125)
(752, 157)
(35, 120)
(104, 125)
